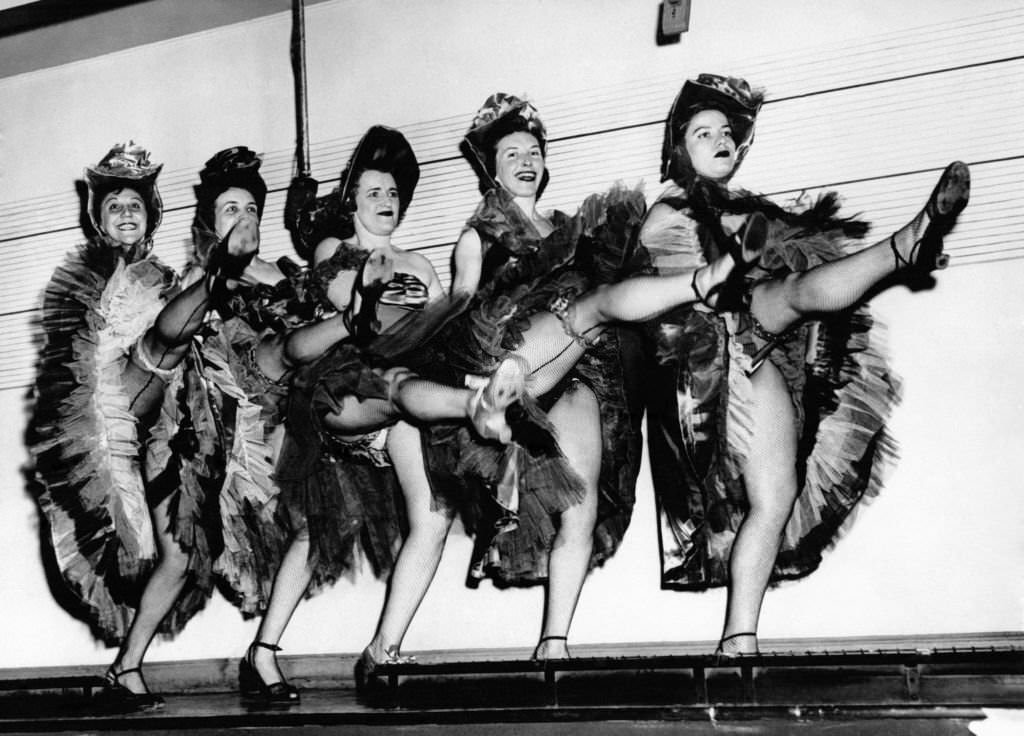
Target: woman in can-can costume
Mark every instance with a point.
(768, 411)
(95, 402)
(350, 450)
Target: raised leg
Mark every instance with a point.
(166, 343)
(553, 344)
(840, 284)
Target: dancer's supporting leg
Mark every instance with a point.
(769, 473)
(577, 421)
(770, 469)
(422, 400)
(421, 551)
(290, 583)
(163, 587)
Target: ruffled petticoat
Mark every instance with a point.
(843, 392)
(343, 491)
(215, 446)
(510, 496)
(214, 449)
(84, 439)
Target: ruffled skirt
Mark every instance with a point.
(214, 451)
(843, 393)
(477, 477)
(85, 441)
(342, 492)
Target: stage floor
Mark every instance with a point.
(847, 692)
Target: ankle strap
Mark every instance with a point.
(741, 633)
(114, 674)
(264, 645)
(552, 638)
(114, 677)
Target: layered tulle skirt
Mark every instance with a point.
(511, 496)
(699, 393)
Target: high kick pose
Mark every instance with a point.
(767, 415)
(108, 505)
(346, 438)
(542, 291)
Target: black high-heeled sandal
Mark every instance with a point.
(732, 294)
(946, 202)
(116, 697)
(253, 687)
(722, 654)
(543, 639)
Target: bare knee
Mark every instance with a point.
(773, 510)
(577, 522)
(174, 561)
(594, 308)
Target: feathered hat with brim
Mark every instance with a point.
(233, 167)
(501, 115)
(382, 149)
(730, 95)
(126, 165)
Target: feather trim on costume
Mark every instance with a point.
(842, 399)
(522, 273)
(83, 436)
(253, 541)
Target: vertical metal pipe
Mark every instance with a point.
(298, 54)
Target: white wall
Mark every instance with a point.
(939, 552)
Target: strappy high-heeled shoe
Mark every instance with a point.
(253, 687)
(116, 697)
(731, 294)
(722, 653)
(536, 658)
(946, 202)
(366, 665)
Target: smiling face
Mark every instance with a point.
(123, 216)
(519, 164)
(377, 205)
(710, 145)
(231, 206)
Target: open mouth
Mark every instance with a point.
(527, 176)
(386, 213)
(724, 153)
(126, 226)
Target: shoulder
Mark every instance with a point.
(469, 237)
(660, 215)
(325, 249)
